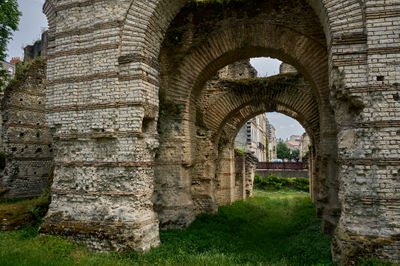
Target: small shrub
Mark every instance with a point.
(240, 151)
(273, 182)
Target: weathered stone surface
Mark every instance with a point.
(107, 64)
(27, 142)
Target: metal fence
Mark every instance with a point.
(282, 166)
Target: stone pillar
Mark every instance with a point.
(240, 176)
(251, 165)
(102, 109)
(225, 175)
(367, 106)
(203, 188)
(27, 141)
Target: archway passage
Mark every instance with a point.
(197, 45)
(228, 101)
(107, 64)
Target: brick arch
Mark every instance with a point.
(154, 18)
(240, 116)
(131, 71)
(288, 93)
(199, 55)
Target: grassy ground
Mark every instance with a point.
(273, 228)
(18, 213)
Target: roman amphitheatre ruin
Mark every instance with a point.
(143, 142)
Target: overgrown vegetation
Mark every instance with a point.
(25, 212)
(283, 152)
(273, 183)
(9, 20)
(273, 228)
(258, 85)
(19, 213)
(240, 151)
(22, 69)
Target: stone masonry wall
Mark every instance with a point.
(107, 63)
(26, 138)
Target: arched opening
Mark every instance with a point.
(197, 135)
(177, 47)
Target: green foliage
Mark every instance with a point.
(257, 85)
(22, 69)
(9, 19)
(282, 151)
(295, 154)
(273, 182)
(373, 262)
(240, 151)
(268, 229)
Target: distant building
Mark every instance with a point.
(10, 68)
(272, 142)
(304, 145)
(294, 142)
(252, 137)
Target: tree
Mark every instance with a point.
(282, 151)
(295, 154)
(9, 19)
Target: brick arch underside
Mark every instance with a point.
(295, 99)
(155, 16)
(189, 63)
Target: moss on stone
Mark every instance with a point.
(23, 70)
(240, 152)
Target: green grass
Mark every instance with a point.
(273, 228)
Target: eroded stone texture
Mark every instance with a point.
(27, 141)
(107, 63)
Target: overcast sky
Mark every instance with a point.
(31, 25)
(33, 22)
(284, 125)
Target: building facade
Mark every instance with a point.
(272, 142)
(252, 137)
(304, 145)
(293, 143)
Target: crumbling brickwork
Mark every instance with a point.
(108, 60)
(27, 142)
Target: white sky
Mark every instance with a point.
(285, 126)
(33, 22)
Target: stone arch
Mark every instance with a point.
(199, 55)
(159, 15)
(123, 66)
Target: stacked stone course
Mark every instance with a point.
(27, 142)
(106, 65)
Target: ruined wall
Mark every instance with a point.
(206, 179)
(104, 75)
(250, 166)
(27, 142)
(240, 176)
(245, 166)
